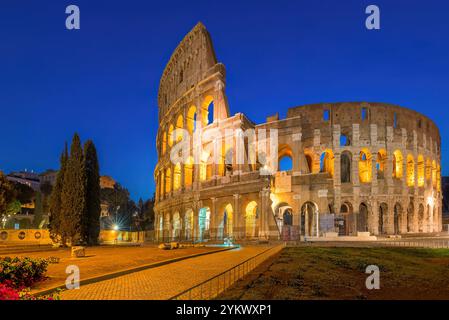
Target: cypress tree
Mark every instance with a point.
(55, 227)
(73, 196)
(38, 210)
(93, 209)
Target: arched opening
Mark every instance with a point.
(365, 166)
(229, 155)
(177, 177)
(344, 140)
(188, 172)
(161, 228)
(167, 227)
(284, 219)
(397, 164)
(309, 162)
(345, 166)
(434, 174)
(179, 128)
(410, 213)
(191, 119)
(344, 221)
(170, 135)
(167, 181)
(421, 169)
(421, 218)
(285, 163)
(410, 171)
(397, 218)
(188, 224)
(203, 223)
(383, 214)
(362, 219)
(208, 110)
(251, 215)
(428, 169)
(327, 162)
(176, 231)
(381, 163)
(204, 166)
(162, 190)
(164, 142)
(225, 226)
(309, 219)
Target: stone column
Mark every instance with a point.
(237, 227)
(265, 211)
(214, 220)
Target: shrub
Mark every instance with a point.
(22, 272)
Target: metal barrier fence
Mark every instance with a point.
(415, 243)
(212, 287)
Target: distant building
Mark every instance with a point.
(107, 182)
(28, 178)
(49, 176)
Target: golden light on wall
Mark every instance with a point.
(381, 160)
(179, 127)
(365, 166)
(167, 181)
(410, 171)
(191, 119)
(250, 219)
(428, 169)
(434, 174)
(327, 162)
(162, 182)
(177, 177)
(421, 170)
(164, 142)
(170, 135)
(188, 171)
(206, 109)
(397, 164)
(438, 178)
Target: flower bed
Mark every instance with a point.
(18, 274)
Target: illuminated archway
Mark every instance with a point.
(421, 170)
(177, 177)
(410, 171)
(188, 172)
(203, 223)
(176, 231)
(170, 135)
(309, 219)
(428, 169)
(167, 181)
(381, 163)
(162, 189)
(164, 142)
(225, 229)
(188, 224)
(251, 214)
(191, 119)
(327, 162)
(208, 110)
(365, 166)
(179, 127)
(397, 164)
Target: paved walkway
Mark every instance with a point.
(163, 282)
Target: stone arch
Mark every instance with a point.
(188, 172)
(309, 217)
(204, 223)
(167, 181)
(345, 166)
(383, 216)
(397, 164)
(228, 160)
(171, 137)
(164, 142)
(225, 226)
(410, 170)
(177, 177)
(251, 217)
(167, 226)
(362, 218)
(381, 163)
(410, 215)
(208, 110)
(188, 224)
(345, 220)
(365, 166)
(327, 162)
(179, 128)
(421, 222)
(309, 162)
(421, 170)
(177, 227)
(285, 157)
(397, 218)
(191, 120)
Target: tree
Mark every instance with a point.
(24, 193)
(91, 221)
(46, 190)
(7, 194)
(56, 232)
(38, 210)
(73, 196)
(120, 205)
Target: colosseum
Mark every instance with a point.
(345, 171)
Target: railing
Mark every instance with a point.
(212, 287)
(415, 243)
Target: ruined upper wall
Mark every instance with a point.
(187, 66)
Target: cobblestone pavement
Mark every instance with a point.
(163, 282)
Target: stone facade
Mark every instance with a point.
(356, 167)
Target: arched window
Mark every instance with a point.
(251, 219)
(191, 119)
(176, 232)
(365, 166)
(344, 140)
(285, 163)
(397, 164)
(421, 170)
(208, 111)
(167, 181)
(204, 223)
(179, 127)
(309, 162)
(362, 221)
(381, 163)
(345, 167)
(170, 135)
(410, 171)
(177, 177)
(188, 171)
(327, 162)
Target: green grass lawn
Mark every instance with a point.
(339, 273)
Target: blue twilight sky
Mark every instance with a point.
(102, 80)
